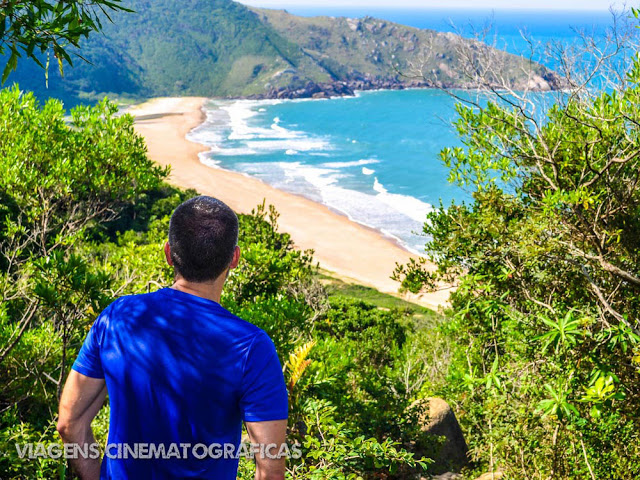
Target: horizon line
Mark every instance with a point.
(434, 8)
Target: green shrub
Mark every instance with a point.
(546, 315)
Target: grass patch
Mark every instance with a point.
(338, 288)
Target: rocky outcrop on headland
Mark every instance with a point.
(368, 53)
(339, 88)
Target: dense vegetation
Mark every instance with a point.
(547, 262)
(543, 329)
(38, 26)
(222, 48)
(84, 216)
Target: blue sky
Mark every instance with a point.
(440, 4)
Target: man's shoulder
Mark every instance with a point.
(242, 324)
(127, 301)
(124, 306)
(159, 302)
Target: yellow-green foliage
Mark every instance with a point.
(297, 364)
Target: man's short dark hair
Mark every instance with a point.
(203, 233)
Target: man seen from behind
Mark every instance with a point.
(179, 369)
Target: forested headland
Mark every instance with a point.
(221, 48)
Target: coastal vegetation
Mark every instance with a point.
(225, 49)
(85, 215)
(546, 260)
(539, 351)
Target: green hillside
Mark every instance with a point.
(222, 48)
(192, 47)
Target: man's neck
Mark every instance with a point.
(210, 290)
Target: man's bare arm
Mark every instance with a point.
(81, 401)
(265, 434)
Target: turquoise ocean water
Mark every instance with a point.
(373, 157)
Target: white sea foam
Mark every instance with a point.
(232, 129)
(378, 187)
(301, 145)
(316, 176)
(259, 139)
(355, 163)
(208, 161)
(233, 152)
(393, 214)
(239, 114)
(209, 133)
(208, 137)
(410, 206)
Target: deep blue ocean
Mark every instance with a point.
(373, 157)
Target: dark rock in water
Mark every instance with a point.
(309, 90)
(339, 88)
(362, 82)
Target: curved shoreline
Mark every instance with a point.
(340, 245)
(387, 236)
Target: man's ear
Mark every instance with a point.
(167, 253)
(236, 258)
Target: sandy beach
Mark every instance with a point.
(352, 251)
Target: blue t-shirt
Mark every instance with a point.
(180, 369)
